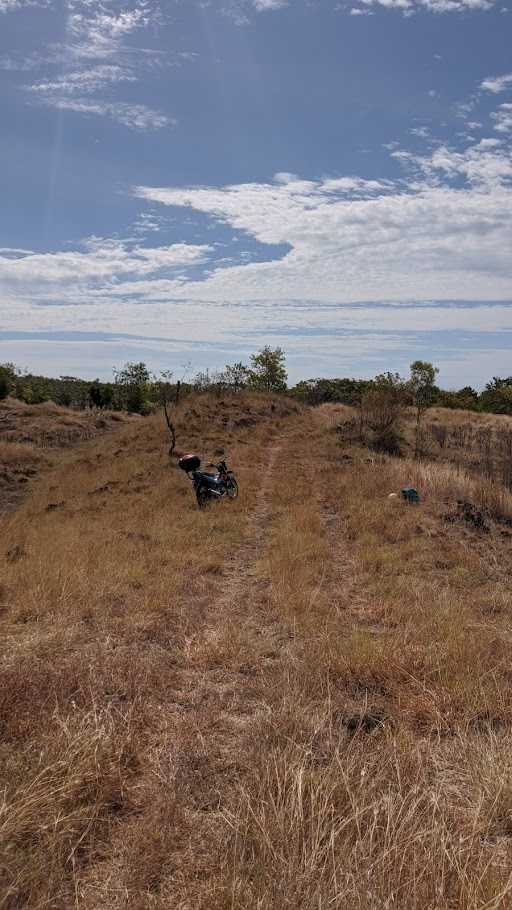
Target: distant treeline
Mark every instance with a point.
(496, 398)
(134, 388)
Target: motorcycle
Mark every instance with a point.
(209, 487)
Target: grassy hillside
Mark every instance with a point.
(299, 699)
(29, 435)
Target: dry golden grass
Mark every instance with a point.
(13, 453)
(107, 571)
(49, 425)
(29, 433)
(297, 700)
(384, 775)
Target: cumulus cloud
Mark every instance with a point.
(439, 232)
(101, 262)
(442, 232)
(497, 84)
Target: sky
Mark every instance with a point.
(185, 181)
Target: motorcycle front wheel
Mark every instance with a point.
(232, 487)
(203, 497)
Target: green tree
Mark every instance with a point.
(237, 376)
(465, 399)
(268, 370)
(8, 376)
(423, 390)
(96, 394)
(382, 407)
(133, 374)
(497, 396)
(5, 385)
(134, 380)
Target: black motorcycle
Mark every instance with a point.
(209, 486)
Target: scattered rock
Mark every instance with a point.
(15, 554)
(245, 422)
(104, 488)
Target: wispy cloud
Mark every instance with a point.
(134, 116)
(96, 58)
(410, 7)
(263, 5)
(8, 6)
(85, 81)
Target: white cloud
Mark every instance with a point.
(263, 5)
(439, 232)
(134, 116)
(409, 7)
(497, 84)
(85, 81)
(421, 132)
(442, 232)
(9, 6)
(429, 236)
(96, 57)
(101, 262)
(503, 118)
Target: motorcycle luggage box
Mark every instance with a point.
(190, 463)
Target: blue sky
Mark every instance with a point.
(183, 182)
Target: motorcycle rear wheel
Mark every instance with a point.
(232, 487)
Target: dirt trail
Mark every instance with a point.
(241, 573)
(220, 690)
(239, 657)
(230, 675)
(233, 652)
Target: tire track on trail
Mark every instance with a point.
(241, 569)
(238, 609)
